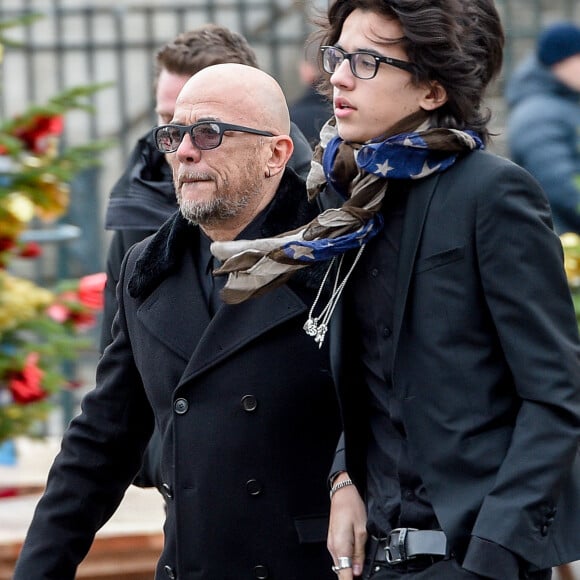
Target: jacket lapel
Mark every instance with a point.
(415, 214)
(176, 311)
(233, 326)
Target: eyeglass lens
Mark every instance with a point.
(362, 65)
(204, 136)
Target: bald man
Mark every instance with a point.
(241, 395)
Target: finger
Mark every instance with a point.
(345, 574)
(358, 556)
(340, 540)
(343, 571)
(341, 543)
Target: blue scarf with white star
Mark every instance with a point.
(404, 156)
(361, 175)
(412, 155)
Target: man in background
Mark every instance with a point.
(543, 127)
(312, 109)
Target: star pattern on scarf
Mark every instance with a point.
(384, 168)
(426, 170)
(298, 251)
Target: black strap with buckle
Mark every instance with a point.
(404, 544)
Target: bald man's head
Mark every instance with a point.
(224, 187)
(246, 95)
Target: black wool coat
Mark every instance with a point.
(246, 410)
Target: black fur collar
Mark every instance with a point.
(164, 251)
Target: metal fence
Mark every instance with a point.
(78, 43)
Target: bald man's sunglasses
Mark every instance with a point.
(204, 135)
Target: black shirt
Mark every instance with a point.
(395, 493)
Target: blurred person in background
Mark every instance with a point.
(312, 109)
(543, 125)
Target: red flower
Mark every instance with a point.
(25, 385)
(59, 312)
(83, 320)
(35, 133)
(91, 289)
(30, 250)
(6, 243)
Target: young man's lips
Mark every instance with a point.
(342, 107)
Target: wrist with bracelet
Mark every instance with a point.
(336, 486)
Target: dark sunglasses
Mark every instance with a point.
(363, 65)
(204, 135)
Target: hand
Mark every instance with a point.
(347, 533)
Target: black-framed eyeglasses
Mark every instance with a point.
(363, 65)
(204, 135)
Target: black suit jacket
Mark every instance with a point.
(486, 364)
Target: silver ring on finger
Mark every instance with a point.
(343, 563)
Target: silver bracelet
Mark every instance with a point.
(340, 485)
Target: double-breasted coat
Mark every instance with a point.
(246, 410)
(486, 362)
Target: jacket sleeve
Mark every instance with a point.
(113, 266)
(100, 454)
(525, 288)
(121, 242)
(339, 462)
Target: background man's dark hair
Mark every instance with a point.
(205, 46)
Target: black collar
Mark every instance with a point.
(163, 252)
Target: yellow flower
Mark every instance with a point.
(55, 197)
(20, 300)
(20, 206)
(14, 412)
(571, 245)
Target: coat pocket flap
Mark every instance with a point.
(439, 259)
(312, 529)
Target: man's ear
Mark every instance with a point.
(281, 148)
(435, 96)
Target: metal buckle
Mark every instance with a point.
(400, 554)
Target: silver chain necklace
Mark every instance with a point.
(317, 326)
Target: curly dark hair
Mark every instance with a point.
(456, 43)
(201, 47)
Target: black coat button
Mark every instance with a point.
(170, 573)
(374, 272)
(181, 406)
(386, 332)
(249, 403)
(261, 572)
(253, 487)
(167, 491)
